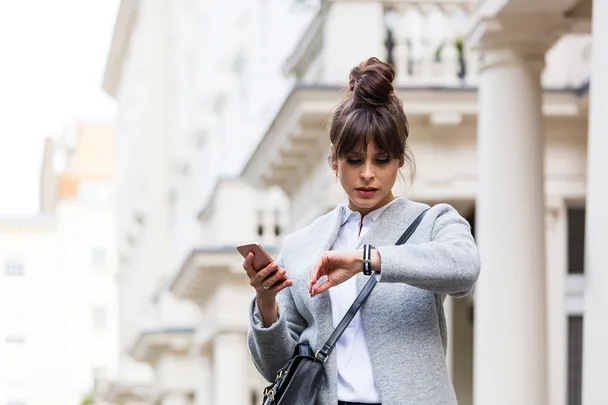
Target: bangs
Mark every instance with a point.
(363, 125)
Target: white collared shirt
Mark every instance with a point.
(355, 374)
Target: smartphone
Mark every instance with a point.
(261, 258)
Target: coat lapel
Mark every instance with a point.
(325, 232)
(387, 229)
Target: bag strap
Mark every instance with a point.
(323, 354)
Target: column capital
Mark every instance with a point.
(516, 38)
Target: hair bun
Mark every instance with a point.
(371, 82)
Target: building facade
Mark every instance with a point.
(34, 316)
(58, 304)
(178, 152)
(223, 110)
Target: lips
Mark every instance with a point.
(366, 191)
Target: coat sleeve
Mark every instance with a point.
(448, 264)
(271, 348)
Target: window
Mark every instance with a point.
(15, 339)
(14, 268)
(575, 287)
(99, 318)
(576, 240)
(98, 257)
(260, 224)
(575, 359)
(277, 223)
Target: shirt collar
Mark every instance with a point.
(347, 212)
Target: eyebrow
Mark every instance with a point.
(362, 154)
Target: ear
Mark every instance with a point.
(333, 161)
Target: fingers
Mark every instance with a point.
(269, 280)
(317, 271)
(321, 288)
(275, 277)
(248, 265)
(286, 283)
(265, 272)
(254, 275)
(313, 278)
(314, 274)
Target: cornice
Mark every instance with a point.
(121, 38)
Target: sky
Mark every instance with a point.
(52, 58)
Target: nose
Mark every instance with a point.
(367, 171)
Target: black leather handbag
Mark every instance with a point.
(298, 382)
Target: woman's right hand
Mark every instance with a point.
(268, 281)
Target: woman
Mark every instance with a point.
(393, 352)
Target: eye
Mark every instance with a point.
(383, 161)
(352, 160)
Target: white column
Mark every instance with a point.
(175, 376)
(595, 321)
(204, 386)
(230, 359)
(510, 308)
(557, 273)
(268, 222)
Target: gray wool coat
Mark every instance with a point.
(403, 318)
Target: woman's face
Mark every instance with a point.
(367, 178)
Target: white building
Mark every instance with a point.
(33, 315)
(207, 94)
(178, 153)
(58, 304)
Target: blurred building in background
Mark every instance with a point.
(222, 139)
(191, 84)
(58, 303)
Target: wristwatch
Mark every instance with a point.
(367, 259)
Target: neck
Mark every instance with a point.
(364, 211)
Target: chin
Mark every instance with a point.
(366, 203)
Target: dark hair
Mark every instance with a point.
(371, 110)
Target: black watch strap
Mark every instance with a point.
(367, 259)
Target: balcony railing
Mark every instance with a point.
(425, 42)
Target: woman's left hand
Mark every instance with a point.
(338, 266)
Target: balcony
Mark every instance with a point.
(425, 40)
(120, 392)
(293, 152)
(151, 345)
(422, 39)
